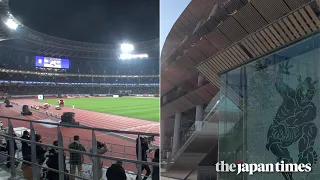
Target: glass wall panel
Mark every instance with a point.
(271, 112)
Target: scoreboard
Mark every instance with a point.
(49, 62)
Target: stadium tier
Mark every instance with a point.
(79, 78)
(10, 59)
(20, 89)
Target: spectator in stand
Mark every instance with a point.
(144, 148)
(53, 162)
(40, 153)
(25, 146)
(101, 149)
(155, 169)
(3, 141)
(14, 153)
(116, 172)
(76, 159)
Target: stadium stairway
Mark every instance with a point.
(194, 144)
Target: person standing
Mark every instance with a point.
(144, 149)
(116, 172)
(101, 149)
(155, 169)
(53, 162)
(25, 146)
(76, 159)
(73, 107)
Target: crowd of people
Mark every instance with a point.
(68, 78)
(21, 89)
(50, 157)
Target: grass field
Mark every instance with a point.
(141, 108)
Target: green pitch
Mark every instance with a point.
(140, 108)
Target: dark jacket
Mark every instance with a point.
(53, 162)
(116, 172)
(76, 158)
(40, 152)
(144, 149)
(155, 170)
(25, 147)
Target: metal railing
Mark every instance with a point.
(62, 173)
(113, 149)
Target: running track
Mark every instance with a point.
(119, 148)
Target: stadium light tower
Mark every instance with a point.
(11, 24)
(126, 48)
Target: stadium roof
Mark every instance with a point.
(29, 39)
(103, 21)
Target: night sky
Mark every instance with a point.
(96, 21)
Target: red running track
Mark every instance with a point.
(119, 148)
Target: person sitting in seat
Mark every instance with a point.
(116, 172)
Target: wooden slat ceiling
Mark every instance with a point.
(195, 11)
(200, 95)
(222, 30)
(287, 29)
(251, 32)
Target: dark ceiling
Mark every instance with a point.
(95, 21)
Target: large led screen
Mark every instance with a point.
(49, 62)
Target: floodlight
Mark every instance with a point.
(127, 47)
(11, 24)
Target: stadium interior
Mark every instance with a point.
(59, 92)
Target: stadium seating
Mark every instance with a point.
(9, 60)
(19, 89)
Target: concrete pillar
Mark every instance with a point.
(176, 133)
(199, 108)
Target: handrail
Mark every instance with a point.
(94, 156)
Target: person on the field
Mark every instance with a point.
(73, 107)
